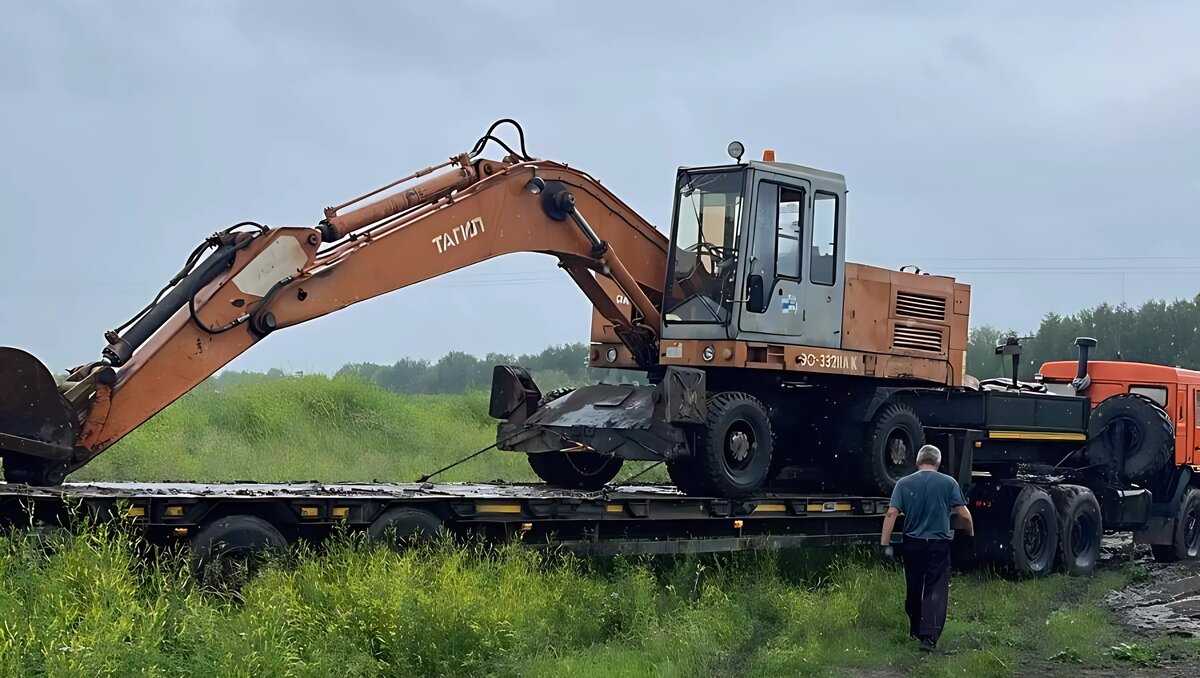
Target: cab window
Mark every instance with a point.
(789, 225)
(824, 244)
(1156, 393)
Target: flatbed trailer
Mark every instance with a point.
(635, 519)
(1028, 526)
(1005, 449)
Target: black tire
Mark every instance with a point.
(589, 471)
(1132, 437)
(401, 527)
(682, 472)
(554, 394)
(1033, 534)
(889, 451)
(1080, 529)
(230, 550)
(33, 471)
(1185, 541)
(732, 453)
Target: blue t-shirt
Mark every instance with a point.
(926, 499)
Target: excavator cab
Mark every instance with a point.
(757, 254)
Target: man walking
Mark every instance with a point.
(926, 498)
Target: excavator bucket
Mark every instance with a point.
(35, 419)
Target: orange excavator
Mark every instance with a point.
(752, 330)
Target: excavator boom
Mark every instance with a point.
(259, 280)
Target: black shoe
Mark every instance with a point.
(927, 645)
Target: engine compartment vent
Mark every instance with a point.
(917, 339)
(920, 307)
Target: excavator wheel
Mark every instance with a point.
(33, 471)
(575, 470)
(732, 454)
(889, 451)
(683, 475)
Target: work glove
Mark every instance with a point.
(887, 552)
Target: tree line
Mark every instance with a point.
(1157, 331)
(455, 372)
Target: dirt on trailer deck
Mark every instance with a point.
(317, 490)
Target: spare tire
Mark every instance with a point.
(1132, 437)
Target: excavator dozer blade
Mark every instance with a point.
(35, 419)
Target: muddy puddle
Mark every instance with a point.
(1168, 602)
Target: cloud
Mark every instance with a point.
(968, 130)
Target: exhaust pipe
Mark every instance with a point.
(1082, 379)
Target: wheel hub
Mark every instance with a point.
(1035, 537)
(897, 451)
(739, 445)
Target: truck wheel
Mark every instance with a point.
(575, 470)
(1185, 543)
(1033, 534)
(890, 450)
(1131, 435)
(399, 527)
(732, 452)
(1080, 528)
(230, 550)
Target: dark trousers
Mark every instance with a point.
(927, 573)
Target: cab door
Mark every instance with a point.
(825, 262)
(1191, 446)
(778, 228)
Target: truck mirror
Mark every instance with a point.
(756, 298)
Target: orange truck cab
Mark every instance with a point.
(1174, 389)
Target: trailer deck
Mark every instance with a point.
(634, 519)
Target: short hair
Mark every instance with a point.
(929, 454)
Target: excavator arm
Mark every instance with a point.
(257, 281)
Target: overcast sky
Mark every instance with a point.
(976, 138)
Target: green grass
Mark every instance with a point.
(95, 607)
(279, 429)
(310, 428)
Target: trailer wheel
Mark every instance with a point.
(1080, 528)
(732, 452)
(230, 550)
(575, 470)
(399, 527)
(890, 451)
(33, 471)
(1185, 543)
(1033, 534)
(1132, 436)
